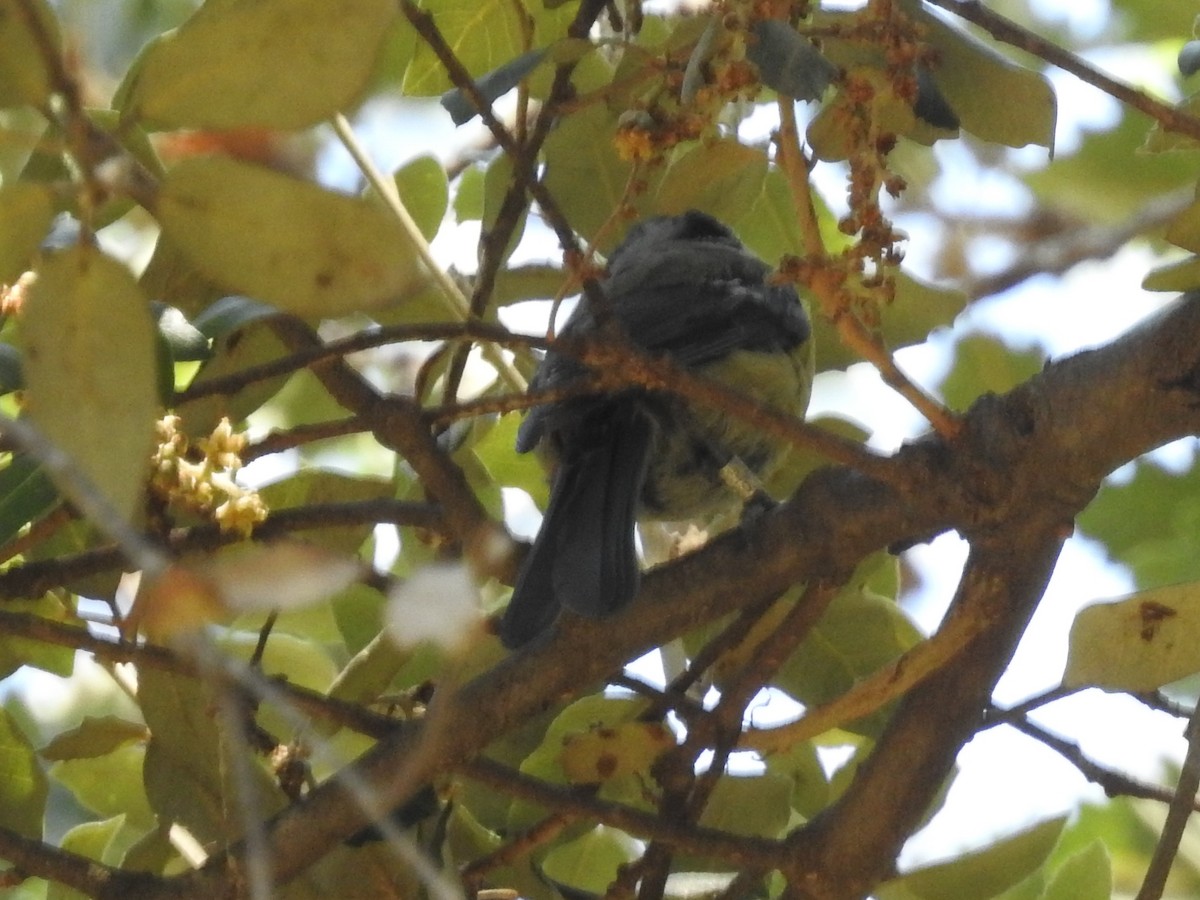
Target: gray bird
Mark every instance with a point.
(685, 287)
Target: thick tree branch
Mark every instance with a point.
(1022, 467)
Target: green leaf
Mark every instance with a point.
(25, 213)
(984, 364)
(496, 182)
(916, 310)
(23, 785)
(484, 35)
(26, 494)
(751, 805)
(287, 242)
(1184, 230)
(370, 671)
(425, 192)
(508, 468)
(182, 768)
(468, 199)
(109, 784)
(24, 68)
(94, 736)
(94, 840)
(986, 872)
(1150, 21)
(859, 633)
(1178, 276)
(318, 486)
(530, 282)
(91, 370)
(583, 171)
(1139, 643)
(16, 651)
(590, 863)
(237, 350)
(980, 85)
(1149, 524)
(723, 178)
(1085, 876)
(1107, 180)
(152, 852)
(282, 64)
(187, 762)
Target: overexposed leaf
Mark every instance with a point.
(282, 64)
(91, 370)
(280, 575)
(176, 603)
(1140, 643)
(289, 242)
(438, 603)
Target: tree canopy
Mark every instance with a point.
(290, 684)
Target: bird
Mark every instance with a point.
(686, 288)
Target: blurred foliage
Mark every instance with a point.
(161, 218)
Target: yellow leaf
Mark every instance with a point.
(1140, 643)
(288, 242)
(25, 213)
(90, 370)
(614, 751)
(282, 64)
(24, 44)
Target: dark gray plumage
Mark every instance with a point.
(683, 286)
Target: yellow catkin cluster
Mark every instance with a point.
(199, 478)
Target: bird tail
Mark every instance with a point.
(584, 557)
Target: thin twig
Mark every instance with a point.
(1115, 784)
(455, 301)
(1180, 810)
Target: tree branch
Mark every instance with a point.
(1023, 465)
